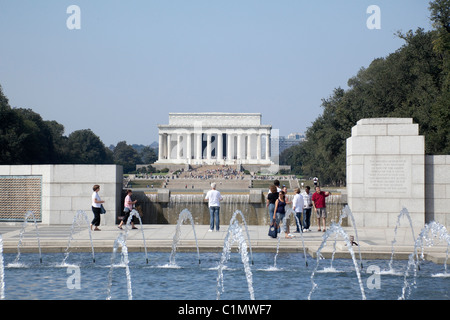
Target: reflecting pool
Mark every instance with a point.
(80, 278)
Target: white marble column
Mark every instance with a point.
(169, 138)
(188, 153)
(208, 146)
(199, 146)
(219, 152)
(165, 146)
(267, 146)
(258, 146)
(160, 147)
(229, 145)
(179, 137)
(249, 147)
(239, 146)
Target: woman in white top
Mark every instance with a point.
(96, 205)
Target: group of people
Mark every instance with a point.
(302, 204)
(220, 172)
(97, 203)
(213, 196)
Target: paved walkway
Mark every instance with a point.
(374, 243)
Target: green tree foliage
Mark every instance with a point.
(148, 155)
(84, 147)
(440, 17)
(412, 82)
(126, 156)
(37, 147)
(25, 138)
(12, 134)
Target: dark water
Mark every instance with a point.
(188, 280)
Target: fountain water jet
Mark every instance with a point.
(292, 212)
(76, 219)
(234, 234)
(335, 228)
(246, 229)
(403, 213)
(136, 214)
(436, 231)
(185, 214)
(25, 222)
(346, 212)
(276, 255)
(120, 240)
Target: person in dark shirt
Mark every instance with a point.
(272, 196)
(280, 212)
(318, 199)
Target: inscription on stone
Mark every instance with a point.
(387, 175)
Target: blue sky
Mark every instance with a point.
(133, 62)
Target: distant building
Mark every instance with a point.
(289, 141)
(297, 136)
(214, 138)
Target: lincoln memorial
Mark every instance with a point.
(214, 138)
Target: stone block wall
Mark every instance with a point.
(437, 189)
(386, 171)
(68, 188)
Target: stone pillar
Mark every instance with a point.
(179, 146)
(258, 147)
(169, 138)
(208, 146)
(219, 150)
(199, 146)
(249, 147)
(161, 147)
(188, 153)
(386, 172)
(165, 146)
(268, 146)
(229, 144)
(239, 147)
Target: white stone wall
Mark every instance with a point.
(226, 119)
(437, 189)
(68, 188)
(386, 171)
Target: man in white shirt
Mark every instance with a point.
(297, 206)
(214, 197)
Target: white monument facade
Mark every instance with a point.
(214, 138)
(386, 171)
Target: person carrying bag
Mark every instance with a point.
(273, 230)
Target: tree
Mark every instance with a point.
(148, 155)
(126, 156)
(38, 144)
(440, 17)
(25, 138)
(440, 14)
(414, 82)
(12, 133)
(85, 147)
(61, 151)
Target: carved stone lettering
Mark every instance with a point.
(385, 175)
